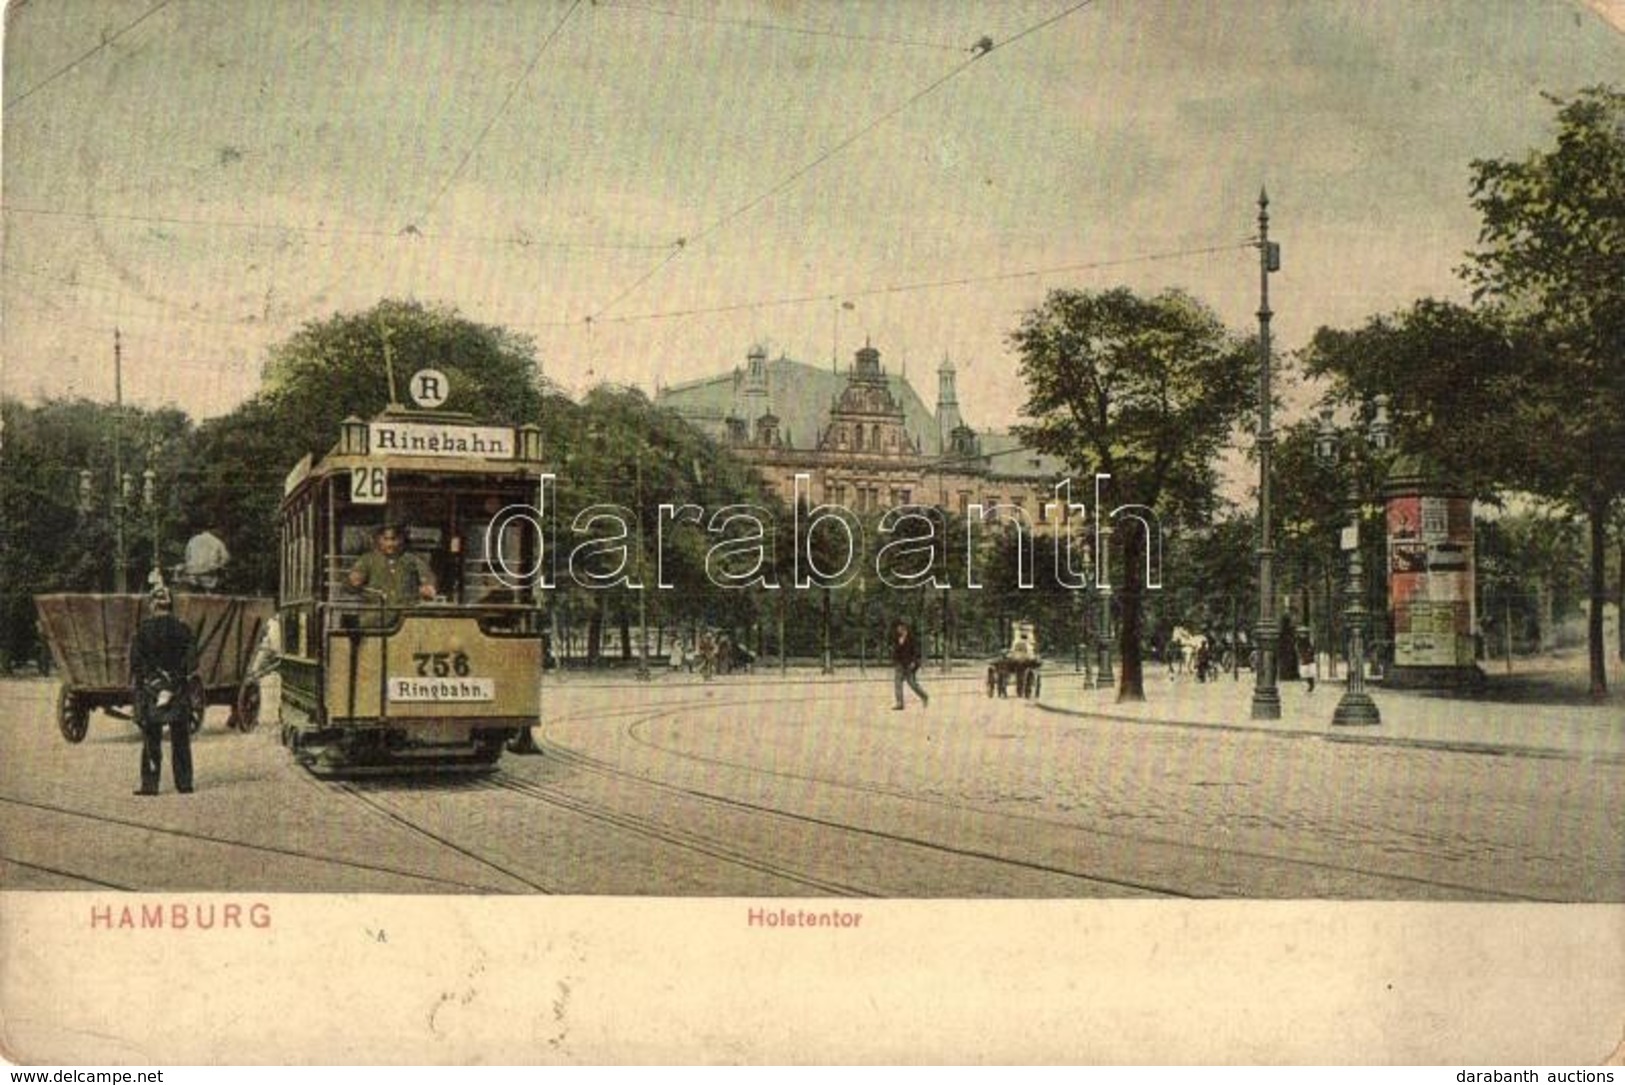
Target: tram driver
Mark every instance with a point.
(399, 575)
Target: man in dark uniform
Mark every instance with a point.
(161, 662)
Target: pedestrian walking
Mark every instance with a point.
(1204, 659)
(708, 655)
(905, 657)
(161, 662)
(1309, 665)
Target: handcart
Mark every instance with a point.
(1019, 665)
(89, 637)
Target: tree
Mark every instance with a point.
(617, 448)
(341, 366)
(324, 372)
(1146, 390)
(1525, 390)
(55, 536)
(1454, 376)
(1552, 251)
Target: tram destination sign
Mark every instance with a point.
(406, 689)
(427, 439)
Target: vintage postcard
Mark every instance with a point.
(779, 531)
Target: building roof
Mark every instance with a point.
(800, 394)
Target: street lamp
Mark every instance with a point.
(1077, 632)
(644, 674)
(118, 506)
(1103, 678)
(1266, 697)
(149, 497)
(1355, 708)
(597, 437)
(1103, 668)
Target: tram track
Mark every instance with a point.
(395, 817)
(649, 828)
(634, 731)
(240, 845)
(930, 849)
(99, 883)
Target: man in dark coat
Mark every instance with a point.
(161, 663)
(905, 657)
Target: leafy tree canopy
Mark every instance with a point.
(334, 368)
(1148, 390)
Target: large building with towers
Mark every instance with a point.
(865, 439)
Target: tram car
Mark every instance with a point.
(411, 634)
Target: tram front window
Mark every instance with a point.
(390, 573)
(452, 549)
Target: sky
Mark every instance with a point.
(648, 189)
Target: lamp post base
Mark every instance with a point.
(1356, 709)
(1266, 704)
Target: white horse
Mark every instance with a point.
(1182, 647)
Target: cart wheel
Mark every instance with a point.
(245, 714)
(72, 715)
(196, 702)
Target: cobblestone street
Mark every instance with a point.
(810, 786)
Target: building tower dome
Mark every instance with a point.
(867, 366)
(948, 416)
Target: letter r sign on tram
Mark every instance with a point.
(429, 388)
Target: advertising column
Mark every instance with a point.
(1430, 580)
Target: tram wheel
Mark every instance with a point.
(522, 742)
(245, 714)
(72, 715)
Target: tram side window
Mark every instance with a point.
(494, 566)
(297, 547)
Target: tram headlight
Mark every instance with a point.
(353, 437)
(530, 442)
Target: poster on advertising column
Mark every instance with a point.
(1430, 579)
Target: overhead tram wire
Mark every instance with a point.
(898, 288)
(92, 51)
(517, 239)
(674, 314)
(981, 49)
(507, 99)
(779, 28)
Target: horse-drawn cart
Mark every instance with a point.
(1018, 666)
(89, 637)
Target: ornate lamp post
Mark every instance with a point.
(1077, 633)
(1266, 697)
(1355, 708)
(1103, 663)
(597, 438)
(643, 672)
(118, 509)
(1096, 572)
(149, 496)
